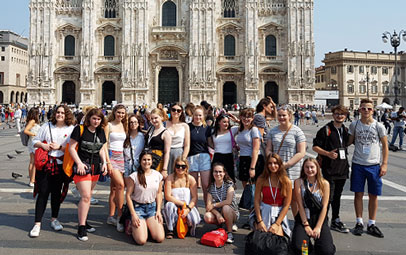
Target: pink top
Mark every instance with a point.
(146, 195)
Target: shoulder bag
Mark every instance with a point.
(41, 155)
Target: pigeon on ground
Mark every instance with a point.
(16, 175)
(19, 152)
(10, 156)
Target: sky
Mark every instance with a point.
(338, 24)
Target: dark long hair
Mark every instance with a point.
(249, 112)
(226, 177)
(112, 115)
(182, 114)
(127, 141)
(217, 123)
(33, 114)
(140, 172)
(281, 173)
(262, 103)
(99, 113)
(69, 117)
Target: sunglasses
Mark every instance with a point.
(180, 166)
(366, 109)
(176, 110)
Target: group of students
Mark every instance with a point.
(172, 155)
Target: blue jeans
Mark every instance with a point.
(396, 131)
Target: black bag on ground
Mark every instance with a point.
(266, 243)
(247, 197)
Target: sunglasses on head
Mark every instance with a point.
(176, 110)
(180, 166)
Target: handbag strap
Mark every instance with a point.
(283, 138)
(132, 155)
(233, 143)
(50, 132)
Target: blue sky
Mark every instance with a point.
(338, 24)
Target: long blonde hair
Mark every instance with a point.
(185, 161)
(198, 107)
(319, 177)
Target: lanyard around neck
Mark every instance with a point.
(221, 191)
(276, 190)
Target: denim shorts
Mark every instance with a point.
(145, 211)
(360, 174)
(199, 162)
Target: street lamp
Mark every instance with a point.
(395, 42)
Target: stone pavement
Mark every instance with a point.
(17, 215)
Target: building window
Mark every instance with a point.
(69, 45)
(229, 45)
(375, 102)
(333, 70)
(1, 78)
(270, 45)
(362, 88)
(350, 88)
(3, 48)
(351, 103)
(374, 89)
(318, 79)
(385, 89)
(385, 70)
(350, 69)
(3, 58)
(374, 69)
(322, 78)
(361, 69)
(18, 79)
(110, 9)
(229, 8)
(169, 14)
(109, 46)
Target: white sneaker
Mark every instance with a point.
(94, 201)
(35, 231)
(75, 192)
(112, 221)
(31, 184)
(234, 228)
(56, 225)
(119, 226)
(230, 237)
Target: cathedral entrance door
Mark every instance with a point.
(229, 93)
(68, 92)
(168, 85)
(272, 90)
(1, 97)
(108, 92)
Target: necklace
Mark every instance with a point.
(198, 129)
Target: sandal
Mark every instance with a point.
(169, 235)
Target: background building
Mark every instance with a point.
(13, 67)
(360, 75)
(148, 51)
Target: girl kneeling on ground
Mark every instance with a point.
(144, 200)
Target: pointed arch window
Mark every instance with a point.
(109, 46)
(169, 14)
(229, 8)
(110, 9)
(69, 45)
(229, 45)
(270, 45)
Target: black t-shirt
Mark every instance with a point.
(198, 139)
(87, 145)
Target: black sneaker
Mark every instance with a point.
(339, 227)
(82, 233)
(358, 229)
(374, 231)
(89, 229)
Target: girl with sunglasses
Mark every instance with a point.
(180, 134)
(181, 192)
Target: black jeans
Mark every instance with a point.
(47, 184)
(228, 161)
(322, 246)
(336, 190)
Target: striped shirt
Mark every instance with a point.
(219, 194)
(288, 149)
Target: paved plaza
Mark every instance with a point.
(17, 216)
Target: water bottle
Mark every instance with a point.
(305, 249)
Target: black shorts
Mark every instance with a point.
(244, 167)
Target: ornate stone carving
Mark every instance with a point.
(168, 54)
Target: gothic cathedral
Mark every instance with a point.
(95, 52)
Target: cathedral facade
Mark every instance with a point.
(95, 52)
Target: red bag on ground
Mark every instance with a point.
(40, 158)
(216, 238)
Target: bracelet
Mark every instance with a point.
(259, 221)
(60, 147)
(277, 224)
(252, 168)
(188, 207)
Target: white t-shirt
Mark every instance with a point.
(146, 195)
(222, 143)
(367, 150)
